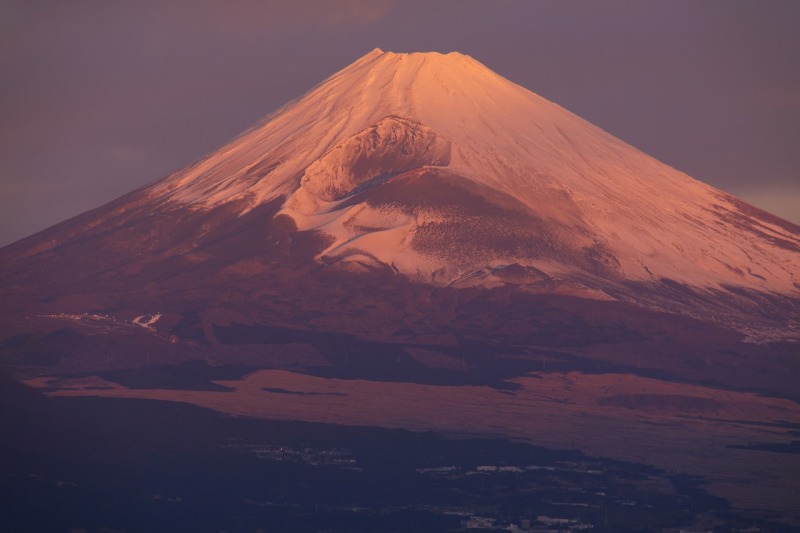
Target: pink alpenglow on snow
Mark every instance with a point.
(448, 172)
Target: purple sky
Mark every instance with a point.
(98, 98)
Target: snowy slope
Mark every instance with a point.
(447, 172)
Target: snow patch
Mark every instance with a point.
(147, 321)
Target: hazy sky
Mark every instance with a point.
(99, 97)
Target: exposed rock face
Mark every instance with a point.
(390, 147)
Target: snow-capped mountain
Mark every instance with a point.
(418, 243)
(436, 167)
(448, 172)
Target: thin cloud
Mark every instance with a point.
(781, 199)
(254, 19)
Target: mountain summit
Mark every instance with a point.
(450, 173)
(435, 167)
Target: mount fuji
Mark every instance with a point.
(445, 173)
(436, 165)
(419, 243)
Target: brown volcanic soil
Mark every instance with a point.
(682, 428)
